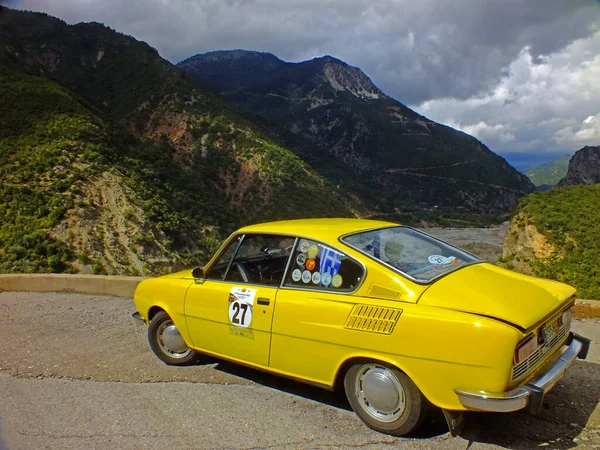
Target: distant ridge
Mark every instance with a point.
(544, 176)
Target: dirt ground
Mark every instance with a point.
(76, 372)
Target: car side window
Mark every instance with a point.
(217, 271)
(316, 266)
(261, 259)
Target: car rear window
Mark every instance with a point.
(421, 257)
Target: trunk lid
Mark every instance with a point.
(488, 290)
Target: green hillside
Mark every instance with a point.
(113, 161)
(550, 173)
(569, 219)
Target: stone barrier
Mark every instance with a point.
(118, 286)
(587, 308)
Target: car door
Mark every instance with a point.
(310, 334)
(230, 312)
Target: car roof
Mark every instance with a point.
(320, 229)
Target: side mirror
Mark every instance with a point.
(198, 273)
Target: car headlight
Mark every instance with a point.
(525, 348)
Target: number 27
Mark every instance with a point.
(243, 307)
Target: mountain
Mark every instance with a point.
(556, 234)
(385, 154)
(584, 167)
(114, 161)
(549, 174)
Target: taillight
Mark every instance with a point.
(566, 315)
(525, 348)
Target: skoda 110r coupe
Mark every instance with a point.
(396, 318)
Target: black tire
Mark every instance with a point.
(384, 398)
(163, 329)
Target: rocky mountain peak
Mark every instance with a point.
(584, 167)
(343, 77)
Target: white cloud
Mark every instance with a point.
(483, 131)
(548, 107)
(588, 133)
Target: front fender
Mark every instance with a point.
(166, 293)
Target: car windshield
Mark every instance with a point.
(421, 257)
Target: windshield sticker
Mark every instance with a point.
(439, 259)
(316, 278)
(330, 263)
(326, 279)
(240, 306)
(311, 264)
(304, 246)
(306, 276)
(313, 251)
(296, 275)
(336, 281)
(301, 259)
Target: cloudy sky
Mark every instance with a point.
(521, 75)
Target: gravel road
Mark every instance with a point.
(76, 372)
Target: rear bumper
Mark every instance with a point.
(529, 395)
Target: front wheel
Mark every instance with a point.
(384, 398)
(166, 342)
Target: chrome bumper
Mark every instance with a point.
(529, 395)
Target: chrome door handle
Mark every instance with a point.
(263, 301)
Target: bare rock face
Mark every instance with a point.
(524, 245)
(584, 167)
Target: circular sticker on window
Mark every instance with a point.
(313, 251)
(306, 276)
(316, 277)
(439, 259)
(296, 275)
(336, 281)
(326, 279)
(301, 259)
(304, 246)
(310, 264)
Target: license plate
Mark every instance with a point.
(550, 331)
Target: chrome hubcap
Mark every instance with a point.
(380, 393)
(171, 342)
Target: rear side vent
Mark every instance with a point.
(373, 319)
(381, 292)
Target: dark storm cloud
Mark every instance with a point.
(414, 50)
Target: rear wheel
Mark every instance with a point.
(166, 342)
(384, 398)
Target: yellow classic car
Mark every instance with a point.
(397, 318)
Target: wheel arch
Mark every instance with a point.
(349, 362)
(154, 310)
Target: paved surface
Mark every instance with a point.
(76, 372)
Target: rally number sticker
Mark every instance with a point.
(241, 301)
